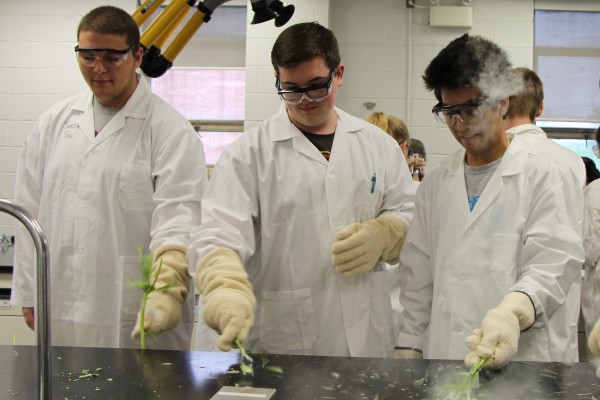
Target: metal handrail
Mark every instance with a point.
(42, 311)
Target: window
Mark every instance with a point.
(213, 100)
(567, 59)
(207, 81)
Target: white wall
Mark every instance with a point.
(387, 47)
(383, 58)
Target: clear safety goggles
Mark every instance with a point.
(596, 150)
(468, 113)
(110, 58)
(312, 93)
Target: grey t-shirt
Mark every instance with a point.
(102, 116)
(476, 178)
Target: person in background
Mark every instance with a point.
(107, 172)
(417, 158)
(300, 216)
(397, 129)
(591, 171)
(418, 147)
(590, 297)
(523, 109)
(492, 245)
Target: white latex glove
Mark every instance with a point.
(229, 302)
(594, 339)
(360, 246)
(163, 308)
(408, 354)
(500, 330)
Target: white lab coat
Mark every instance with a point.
(521, 236)
(573, 169)
(590, 297)
(138, 183)
(275, 200)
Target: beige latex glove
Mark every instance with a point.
(229, 302)
(408, 354)
(500, 330)
(594, 339)
(360, 246)
(163, 308)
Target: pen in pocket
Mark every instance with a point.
(373, 180)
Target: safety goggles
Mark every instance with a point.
(110, 58)
(312, 93)
(468, 113)
(596, 150)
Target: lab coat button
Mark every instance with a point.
(91, 153)
(329, 176)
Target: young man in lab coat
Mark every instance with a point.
(107, 172)
(300, 215)
(493, 249)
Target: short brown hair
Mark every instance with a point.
(530, 99)
(303, 42)
(111, 20)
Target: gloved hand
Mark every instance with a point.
(408, 354)
(229, 302)
(360, 246)
(500, 330)
(594, 339)
(163, 308)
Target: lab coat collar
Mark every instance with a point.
(346, 125)
(513, 163)
(530, 129)
(517, 154)
(136, 107)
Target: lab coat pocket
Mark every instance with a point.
(504, 258)
(287, 321)
(136, 188)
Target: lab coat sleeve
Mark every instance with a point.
(28, 188)
(416, 279)
(591, 225)
(229, 208)
(180, 179)
(552, 253)
(399, 195)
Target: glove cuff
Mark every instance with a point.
(221, 267)
(163, 248)
(521, 306)
(173, 272)
(393, 229)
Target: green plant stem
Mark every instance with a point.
(142, 322)
(477, 367)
